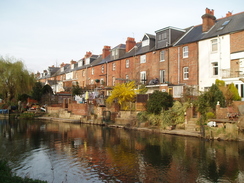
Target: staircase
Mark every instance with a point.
(67, 115)
(191, 125)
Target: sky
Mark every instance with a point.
(42, 33)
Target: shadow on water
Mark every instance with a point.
(63, 152)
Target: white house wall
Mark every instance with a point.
(207, 58)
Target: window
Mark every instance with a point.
(127, 63)
(162, 36)
(101, 81)
(102, 68)
(114, 66)
(113, 79)
(127, 77)
(145, 42)
(185, 52)
(162, 56)
(143, 77)
(92, 71)
(186, 73)
(162, 76)
(215, 68)
(143, 59)
(87, 61)
(214, 45)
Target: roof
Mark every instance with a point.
(222, 26)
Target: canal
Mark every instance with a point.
(63, 152)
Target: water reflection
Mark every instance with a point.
(84, 153)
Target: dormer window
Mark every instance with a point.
(80, 63)
(145, 42)
(162, 36)
(72, 66)
(62, 69)
(115, 52)
(87, 61)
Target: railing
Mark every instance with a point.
(227, 73)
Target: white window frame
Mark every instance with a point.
(145, 42)
(143, 59)
(162, 56)
(185, 52)
(214, 45)
(127, 63)
(162, 76)
(114, 66)
(92, 71)
(101, 81)
(126, 76)
(143, 76)
(215, 68)
(102, 69)
(185, 73)
(113, 80)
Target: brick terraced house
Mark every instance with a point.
(171, 60)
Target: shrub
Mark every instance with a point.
(159, 100)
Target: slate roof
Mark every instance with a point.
(222, 26)
(120, 46)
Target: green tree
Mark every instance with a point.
(15, 80)
(37, 91)
(208, 100)
(159, 100)
(233, 90)
(76, 90)
(123, 93)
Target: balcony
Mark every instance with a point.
(227, 73)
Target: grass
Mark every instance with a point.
(6, 176)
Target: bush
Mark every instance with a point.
(158, 101)
(210, 115)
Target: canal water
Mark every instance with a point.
(63, 152)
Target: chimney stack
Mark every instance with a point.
(130, 43)
(106, 51)
(208, 20)
(63, 64)
(228, 14)
(88, 54)
(72, 62)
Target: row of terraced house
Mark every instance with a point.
(169, 61)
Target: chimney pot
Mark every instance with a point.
(208, 20)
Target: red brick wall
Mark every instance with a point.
(78, 109)
(236, 42)
(177, 63)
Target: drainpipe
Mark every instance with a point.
(178, 65)
(220, 58)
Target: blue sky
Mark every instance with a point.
(43, 33)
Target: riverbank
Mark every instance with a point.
(180, 132)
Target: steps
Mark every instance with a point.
(67, 115)
(191, 125)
